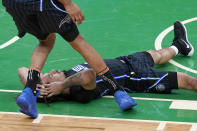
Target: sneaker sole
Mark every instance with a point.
(31, 115)
(192, 50)
(25, 108)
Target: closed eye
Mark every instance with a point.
(51, 76)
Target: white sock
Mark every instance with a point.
(175, 49)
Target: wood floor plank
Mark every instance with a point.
(19, 122)
(177, 127)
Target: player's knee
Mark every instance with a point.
(49, 42)
(155, 55)
(151, 52)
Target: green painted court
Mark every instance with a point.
(113, 28)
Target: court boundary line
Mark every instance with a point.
(137, 98)
(104, 118)
(11, 41)
(194, 127)
(38, 119)
(160, 37)
(161, 126)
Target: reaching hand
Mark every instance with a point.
(75, 13)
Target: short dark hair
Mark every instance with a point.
(65, 73)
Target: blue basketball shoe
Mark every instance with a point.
(124, 101)
(27, 102)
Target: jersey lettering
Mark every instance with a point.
(79, 68)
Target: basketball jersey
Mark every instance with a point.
(118, 68)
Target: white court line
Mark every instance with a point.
(176, 104)
(104, 118)
(151, 99)
(193, 128)
(186, 105)
(137, 98)
(38, 119)
(17, 91)
(11, 41)
(161, 126)
(161, 36)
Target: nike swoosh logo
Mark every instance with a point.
(185, 43)
(67, 19)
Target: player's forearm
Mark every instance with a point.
(73, 80)
(86, 79)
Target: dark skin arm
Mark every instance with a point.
(73, 10)
(86, 79)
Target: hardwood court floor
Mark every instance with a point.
(19, 122)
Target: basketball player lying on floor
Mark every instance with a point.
(134, 72)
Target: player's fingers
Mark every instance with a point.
(44, 89)
(39, 86)
(78, 19)
(40, 96)
(49, 90)
(82, 16)
(73, 18)
(50, 95)
(44, 92)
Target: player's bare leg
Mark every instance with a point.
(27, 100)
(96, 62)
(162, 56)
(186, 82)
(180, 45)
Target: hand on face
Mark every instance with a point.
(43, 92)
(51, 83)
(50, 90)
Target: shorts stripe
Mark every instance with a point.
(158, 81)
(41, 7)
(57, 6)
(136, 79)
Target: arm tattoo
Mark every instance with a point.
(75, 76)
(75, 79)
